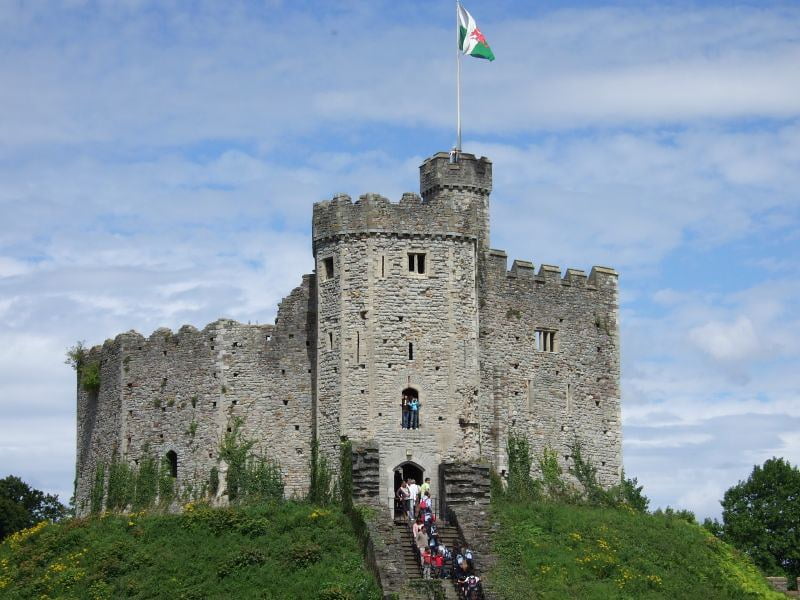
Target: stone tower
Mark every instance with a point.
(406, 298)
(397, 301)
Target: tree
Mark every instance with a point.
(761, 517)
(22, 506)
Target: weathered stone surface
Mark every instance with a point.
(366, 326)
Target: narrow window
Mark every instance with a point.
(328, 265)
(410, 351)
(358, 347)
(529, 392)
(569, 399)
(172, 460)
(383, 266)
(416, 263)
(330, 340)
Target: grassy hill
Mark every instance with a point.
(286, 550)
(558, 551)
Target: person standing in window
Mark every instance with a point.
(413, 406)
(406, 411)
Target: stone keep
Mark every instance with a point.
(406, 297)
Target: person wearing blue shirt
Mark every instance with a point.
(413, 405)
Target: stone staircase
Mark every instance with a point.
(448, 535)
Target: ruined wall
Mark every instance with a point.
(552, 397)
(99, 415)
(182, 391)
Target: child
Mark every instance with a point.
(438, 565)
(426, 563)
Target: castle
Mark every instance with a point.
(406, 298)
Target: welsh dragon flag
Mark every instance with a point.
(470, 38)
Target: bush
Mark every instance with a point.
(90, 377)
(521, 486)
(250, 477)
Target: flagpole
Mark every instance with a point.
(458, 82)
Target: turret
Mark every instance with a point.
(466, 183)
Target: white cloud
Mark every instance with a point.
(729, 341)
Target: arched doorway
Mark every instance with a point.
(404, 472)
(172, 460)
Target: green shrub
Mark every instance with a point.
(346, 474)
(304, 554)
(121, 485)
(146, 488)
(320, 490)
(243, 559)
(521, 486)
(98, 489)
(90, 377)
(250, 477)
(213, 481)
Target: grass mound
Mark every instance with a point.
(286, 550)
(554, 551)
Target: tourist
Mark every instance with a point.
(402, 499)
(425, 487)
(438, 564)
(421, 538)
(425, 501)
(405, 411)
(413, 495)
(426, 564)
(413, 407)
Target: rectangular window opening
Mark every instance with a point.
(358, 347)
(330, 340)
(383, 266)
(410, 351)
(328, 266)
(545, 340)
(416, 262)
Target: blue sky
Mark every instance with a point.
(159, 160)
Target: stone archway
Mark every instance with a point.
(407, 470)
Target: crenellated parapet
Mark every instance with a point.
(440, 174)
(497, 267)
(454, 203)
(375, 214)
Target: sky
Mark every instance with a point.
(159, 161)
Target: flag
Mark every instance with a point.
(470, 38)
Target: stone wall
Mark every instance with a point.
(349, 340)
(366, 472)
(383, 329)
(554, 398)
(182, 391)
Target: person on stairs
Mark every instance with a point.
(426, 563)
(413, 496)
(402, 500)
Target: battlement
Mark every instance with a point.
(469, 173)
(372, 214)
(497, 266)
(454, 202)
